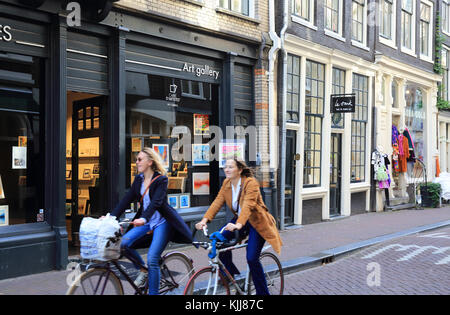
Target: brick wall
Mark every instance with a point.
(206, 15)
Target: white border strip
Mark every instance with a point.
(152, 65)
(86, 53)
(29, 44)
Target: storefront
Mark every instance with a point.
(78, 103)
(405, 108)
(329, 175)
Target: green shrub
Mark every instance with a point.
(433, 192)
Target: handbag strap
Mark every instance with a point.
(148, 187)
(235, 212)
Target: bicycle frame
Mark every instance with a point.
(217, 266)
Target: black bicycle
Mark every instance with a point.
(103, 278)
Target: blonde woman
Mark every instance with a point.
(155, 219)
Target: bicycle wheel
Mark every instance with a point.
(273, 273)
(96, 281)
(176, 269)
(203, 283)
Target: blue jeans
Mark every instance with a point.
(254, 248)
(161, 237)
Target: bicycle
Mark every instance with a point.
(211, 281)
(103, 279)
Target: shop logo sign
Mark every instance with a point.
(206, 70)
(5, 33)
(172, 97)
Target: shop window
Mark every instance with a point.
(22, 162)
(314, 104)
(293, 89)
(415, 119)
(394, 94)
(155, 105)
(338, 85)
(359, 128)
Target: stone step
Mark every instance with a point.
(398, 201)
(400, 207)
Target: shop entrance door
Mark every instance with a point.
(291, 158)
(88, 176)
(335, 174)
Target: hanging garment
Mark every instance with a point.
(438, 168)
(404, 155)
(395, 135)
(379, 166)
(395, 157)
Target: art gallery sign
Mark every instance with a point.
(205, 70)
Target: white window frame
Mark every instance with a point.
(363, 44)
(305, 22)
(391, 42)
(446, 91)
(329, 32)
(430, 32)
(445, 16)
(251, 8)
(404, 49)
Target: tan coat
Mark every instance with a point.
(253, 209)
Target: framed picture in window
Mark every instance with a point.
(201, 125)
(87, 173)
(173, 201)
(68, 174)
(68, 209)
(4, 215)
(200, 183)
(231, 150)
(22, 141)
(200, 154)
(2, 192)
(185, 201)
(163, 151)
(82, 206)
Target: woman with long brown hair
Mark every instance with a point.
(240, 191)
(155, 217)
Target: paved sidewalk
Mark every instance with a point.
(304, 246)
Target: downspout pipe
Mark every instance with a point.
(283, 114)
(273, 52)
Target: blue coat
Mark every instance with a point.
(158, 197)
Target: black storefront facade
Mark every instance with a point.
(77, 103)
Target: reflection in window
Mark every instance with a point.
(293, 89)
(155, 105)
(239, 6)
(415, 118)
(22, 161)
(338, 84)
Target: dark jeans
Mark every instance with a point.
(255, 245)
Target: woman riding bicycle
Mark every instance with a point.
(240, 191)
(156, 220)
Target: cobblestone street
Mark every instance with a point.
(417, 264)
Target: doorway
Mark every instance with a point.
(85, 175)
(335, 174)
(291, 159)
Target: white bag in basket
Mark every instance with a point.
(109, 238)
(100, 238)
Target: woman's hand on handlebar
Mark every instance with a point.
(201, 224)
(232, 227)
(138, 222)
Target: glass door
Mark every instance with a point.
(335, 174)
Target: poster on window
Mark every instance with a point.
(19, 157)
(4, 216)
(163, 151)
(231, 150)
(201, 124)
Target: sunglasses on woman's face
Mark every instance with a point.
(139, 159)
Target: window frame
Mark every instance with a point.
(360, 118)
(291, 93)
(339, 13)
(383, 38)
(338, 87)
(445, 15)
(408, 50)
(429, 44)
(316, 116)
(298, 18)
(229, 7)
